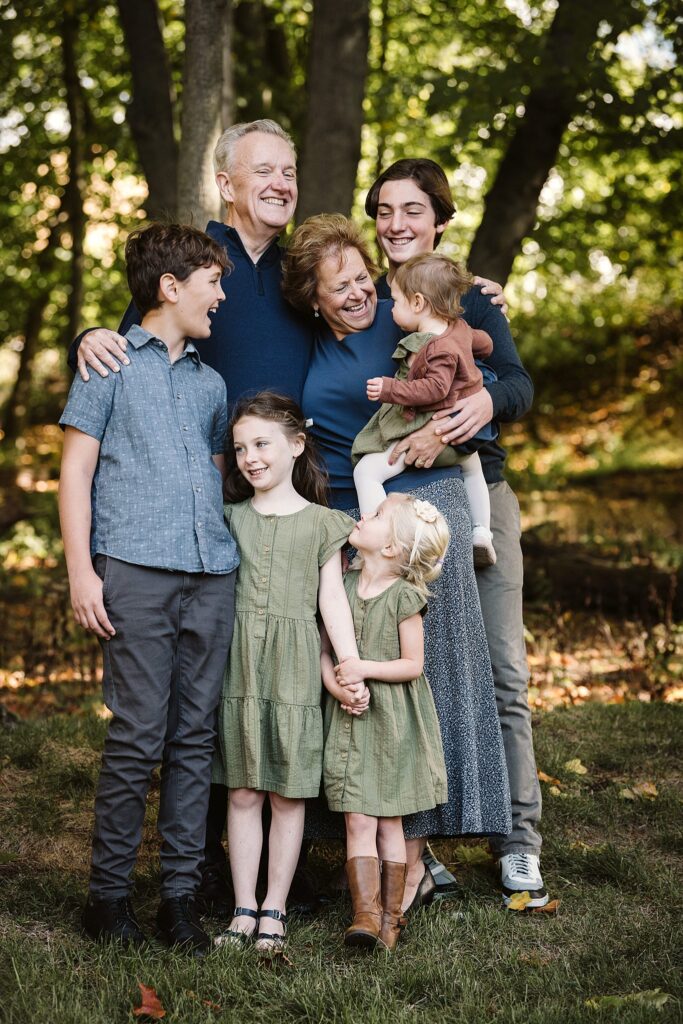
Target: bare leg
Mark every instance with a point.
(286, 834)
(416, 869)
(391, 842)
(369, 475)
(245, 838)
(361, 835)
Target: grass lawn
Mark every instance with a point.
(611, 857)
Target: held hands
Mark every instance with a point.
(358, 704)
(100, 349)
(374, 388)
(349, 672)
(88, 605)
(471, 414)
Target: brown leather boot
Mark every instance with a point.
(393, 886)
(364, 884)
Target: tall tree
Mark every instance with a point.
(336, 83)
(564, 71)
(206, 34)
(150, 114)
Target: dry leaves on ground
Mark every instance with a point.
(150, 1008)
(653, 997)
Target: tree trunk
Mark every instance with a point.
(17, 407)
(205, 36)
(150, 114)
(336, 84)
(75, 188)
(563, 73)
(228, 87)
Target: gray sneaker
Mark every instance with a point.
(521, 872)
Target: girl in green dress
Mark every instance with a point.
(270, 726)
(388, 762)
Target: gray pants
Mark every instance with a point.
(500, 593)
(162, 679)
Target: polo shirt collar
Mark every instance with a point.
(224, 233)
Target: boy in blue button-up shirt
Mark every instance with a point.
(151, 571)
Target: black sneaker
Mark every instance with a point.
(446, 883)
(112, 921)
(215, 896)
(178, 925)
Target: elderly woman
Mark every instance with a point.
(328, 272)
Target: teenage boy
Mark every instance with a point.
(151, 571)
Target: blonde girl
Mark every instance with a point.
(389, 762)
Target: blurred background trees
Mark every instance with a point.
(558, 122)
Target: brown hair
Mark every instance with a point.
(441, 281)
(176, 249)
(327, 234)
(428, 176)
(309, 476)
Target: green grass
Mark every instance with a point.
(613, 863)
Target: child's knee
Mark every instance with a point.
(245, 799)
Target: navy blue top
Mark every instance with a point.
(157, 495)
(335, 399)
(513, 392)
(258, 341)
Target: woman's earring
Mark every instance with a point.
(315, 312)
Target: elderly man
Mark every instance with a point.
(257, 342)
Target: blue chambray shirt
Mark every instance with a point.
(157, 495)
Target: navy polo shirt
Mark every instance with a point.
(258, 341)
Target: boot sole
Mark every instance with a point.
(360, 940)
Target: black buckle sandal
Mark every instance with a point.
(267, 943)
(232, 937)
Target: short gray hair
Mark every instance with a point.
(225, 147)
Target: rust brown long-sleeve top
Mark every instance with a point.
(442, 372)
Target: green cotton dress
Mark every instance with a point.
(270, 726)
(388, 761)
(389, 425)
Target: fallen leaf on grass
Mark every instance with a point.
(472, 855)
(576, 766)
(653, 997)
(519, 901)
(548, 778)
(212, 1006)
(643, 790)
(556, 791)
(550, 908)
(151, 1004)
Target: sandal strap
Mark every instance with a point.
(276, 915)
(245, 912)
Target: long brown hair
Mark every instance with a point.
(309, 477)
